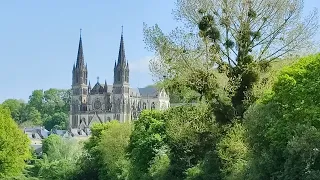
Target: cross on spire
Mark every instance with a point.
(97, 79)
(121, 30)
(80, 31)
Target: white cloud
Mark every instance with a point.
(140, 65)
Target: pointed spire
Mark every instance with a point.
(105, 86)
(121, 56)
(89, 85)
(121, 30)
(115, 63)
(80, 58)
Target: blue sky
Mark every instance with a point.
(39, 40)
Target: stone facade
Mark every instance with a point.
(105, 102)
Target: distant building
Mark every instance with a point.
(103, 102)
(36, 132)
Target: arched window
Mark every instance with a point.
(139, 106)
(144, 105)
(153, 106)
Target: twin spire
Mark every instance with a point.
(121, 55)
(80, 65)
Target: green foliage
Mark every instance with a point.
(191, 134)
(49, 108)
(90, 164)
(208, 168)
(159, 165)
(233, 152)
(59, 159)
(14, 148)
(33, 115)
(105, 152)
(57, 120)
(60, 169)
(238, 49)
(112, 146)
(22, 177)
(53, 105)
(283, 130)
(16, 107)
(145, 141)
(36, 100)
(194, 173)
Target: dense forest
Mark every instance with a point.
(248, 78)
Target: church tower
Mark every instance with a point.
(121, 104)
(79, 94)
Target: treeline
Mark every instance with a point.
(257, 111)
(49, 108)
(278, 138)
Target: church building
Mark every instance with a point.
(103, 102)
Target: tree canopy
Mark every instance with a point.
(284, 126)
(225, 46)
(48, 108)
(14, 149)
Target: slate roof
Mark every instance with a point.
(150, 91)
(97, 88)
(36, 132)
(144, 92)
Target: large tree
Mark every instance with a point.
(52, 105)
(112, 146)
(16, 107)
(225, 46)
(14, 149)
(145, 141)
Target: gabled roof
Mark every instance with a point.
(148, 91)
(97, 88)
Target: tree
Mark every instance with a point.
(50, 101)
(16, 107)
(59, 120)
(192, 134)
(52, 105)
(56, 101)
(160, 165)
(112, 146)
(36, 100)
(283, 127)
(233, 152)
(90, 164)
(14, 149)
(59, 158)
(33, 115)
(146, 140)
(228, 44)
